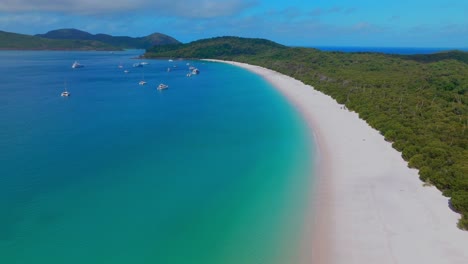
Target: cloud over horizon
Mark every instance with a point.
(198, 9)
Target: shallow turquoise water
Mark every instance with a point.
(216, 169)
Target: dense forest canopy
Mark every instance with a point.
(418, 102)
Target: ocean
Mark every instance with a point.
(215, 169)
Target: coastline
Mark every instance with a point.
(368, 206)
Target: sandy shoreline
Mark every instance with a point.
(369, 207)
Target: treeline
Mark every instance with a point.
(13, 41)
(418, 102)
(214, 48)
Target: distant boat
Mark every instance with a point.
(76, 65)
(168, 69)
(189, 74)
(162, 86)
(120, 66)
(136, 65)
(195, 71)
(126, 71)
(65, 93)
(170, 60)
(142, 82)
(144, 63)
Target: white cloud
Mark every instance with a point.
(190, 9)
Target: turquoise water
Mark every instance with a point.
(216, 169)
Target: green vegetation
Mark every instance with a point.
(418, 102)
(13, 41)
(116, 41)
(215, 48)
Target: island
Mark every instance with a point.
(74, 39)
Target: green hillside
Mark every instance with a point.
(215, 47)
(418, 102)
(13, 41)
(117, 41)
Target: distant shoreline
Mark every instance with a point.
(386, 50)
(16, 49)
(368, 206)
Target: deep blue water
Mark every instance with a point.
(388, 50)
(216, 169)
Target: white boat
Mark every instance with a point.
(65, 93)
(195, 71)
(144, 63)
(162, 86)
(142, 82)
(120, 66)
(189, 74)
(136, 65)
(126, 71)
(168, 69)
(76, 65)
(170, 60)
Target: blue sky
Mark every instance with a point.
(396, 23)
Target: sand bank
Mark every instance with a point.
(369, 207)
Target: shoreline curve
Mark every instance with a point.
(367, 205)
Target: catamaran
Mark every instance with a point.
(65, 93)
(162, 86)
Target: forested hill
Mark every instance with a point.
(215, 47)
(124, 42)
(418, 102)
(13, 41)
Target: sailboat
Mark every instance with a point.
(142, 82)
(65, 93)
(76, 65)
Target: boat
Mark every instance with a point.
(144, 63)
(65, 93)
(189, 74)
(126, 71)
(142, 82)
(136, 65)
(76, 65)
(162, 86)
(120, 66)
(170, 60)
(168, 69)
(195, 71)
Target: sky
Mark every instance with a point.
(363, 23)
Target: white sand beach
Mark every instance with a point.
(368, 206)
